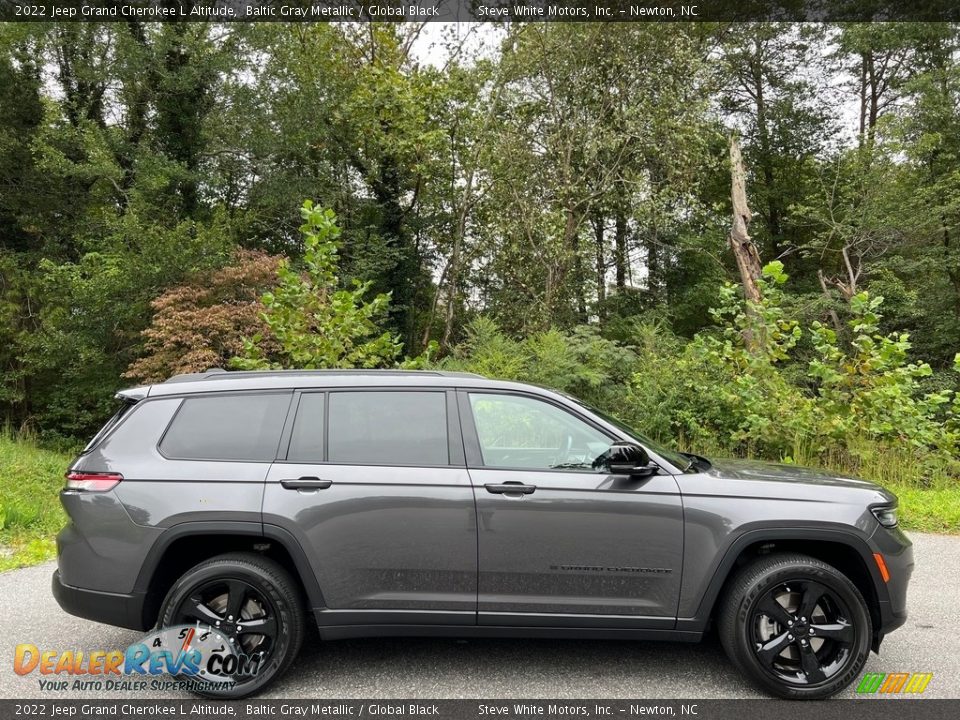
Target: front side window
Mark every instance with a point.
(388, 428)
(522, 432)
(243, 428)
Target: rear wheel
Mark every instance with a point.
(795, 626)
(250, 602)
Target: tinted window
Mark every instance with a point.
(110, 425)
(388, 428)
(521, 432)
(306, 442)
(229, 427)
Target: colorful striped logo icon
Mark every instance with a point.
(891, 683)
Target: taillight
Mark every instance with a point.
(92, 481)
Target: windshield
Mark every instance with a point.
(683, 462)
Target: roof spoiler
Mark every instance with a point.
(134, 395)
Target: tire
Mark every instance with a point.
(787, 649)
(269, 599)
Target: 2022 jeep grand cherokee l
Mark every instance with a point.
(433, 503)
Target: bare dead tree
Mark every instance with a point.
(744, 250)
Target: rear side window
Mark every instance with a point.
(388, 428)
(306, 441)
(229, 427)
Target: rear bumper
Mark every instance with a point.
(117, 609)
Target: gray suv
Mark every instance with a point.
(447, 504)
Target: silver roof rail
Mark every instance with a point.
(221, 374)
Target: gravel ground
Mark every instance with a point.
(408, 668)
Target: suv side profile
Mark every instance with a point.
(400, 503)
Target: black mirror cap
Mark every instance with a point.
(625, 458)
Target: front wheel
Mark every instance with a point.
(795, 626)
(254, 610)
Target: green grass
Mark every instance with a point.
(31, 477)
(928, 488)
(30, 512)
(935, 510)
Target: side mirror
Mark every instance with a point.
(626, 458)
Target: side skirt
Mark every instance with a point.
(442, 627)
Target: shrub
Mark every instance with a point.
(315, 322)
(203, 322)
(725, 388)
(729, 388)
(580, 362)
(871, 389)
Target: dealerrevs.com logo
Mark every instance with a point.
(197, 656)
(894, 683)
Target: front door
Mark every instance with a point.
(561, 544)
(374, 487)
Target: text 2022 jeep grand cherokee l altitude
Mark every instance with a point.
(433, 503)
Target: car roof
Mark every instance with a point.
(218, 380)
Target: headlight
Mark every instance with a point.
(886, 516)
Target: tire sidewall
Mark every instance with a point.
(223, 570)
(838, 584)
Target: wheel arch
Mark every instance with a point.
(183, 546)
(847, 552)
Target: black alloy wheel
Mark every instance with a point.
(250, 602)
(238, 611)
(801, 632)
(795, 626)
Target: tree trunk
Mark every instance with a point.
(950, 265)
(620, 250)
(744, 251)
(600, 254)
(466, 202)
(874, 113)
(766, 165)
(432, 315)
(863, 96)
(454, 289)
(579, 279)
(834, 318)
(558, 269)
(651, 243)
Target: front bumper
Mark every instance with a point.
(117, 609)
(897, 551)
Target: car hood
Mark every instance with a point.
(782, 473)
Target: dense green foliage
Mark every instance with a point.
(552, 208)
(313, 322)
(856, 408)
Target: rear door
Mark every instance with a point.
(373, 484)
(562, 544)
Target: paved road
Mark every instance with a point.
(405, 668)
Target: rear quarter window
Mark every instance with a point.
(114, 420)
(244, 428)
